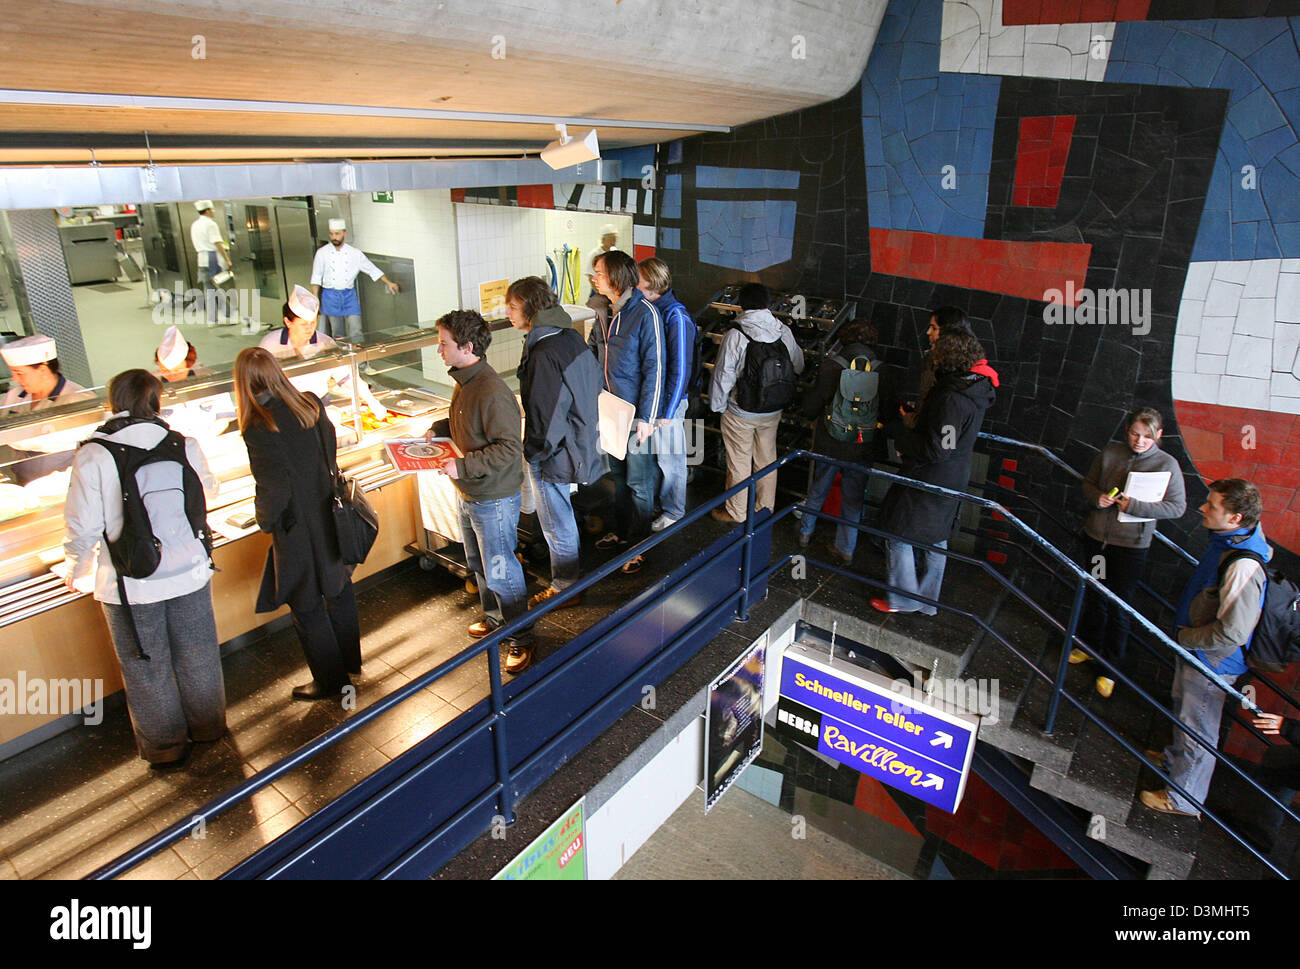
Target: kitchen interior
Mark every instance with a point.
(130, 267)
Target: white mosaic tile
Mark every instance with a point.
(1285, 405)
(1216, 334)
(1223, 298)
(1196, 387)
(1210, 363)
(1250, 356)
(1261, 280)
(1285, 385)
(1286, 346)
(1255, 318)
(1288, 297)
(1249, 392)
(1197, 284)
(973, 39)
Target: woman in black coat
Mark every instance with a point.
(291, 452)
(937, 451)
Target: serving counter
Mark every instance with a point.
(50, 633)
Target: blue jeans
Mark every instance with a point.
(901, 563)
(559, 526)
(489, 531)
(853, 490)
(1198, 704)
(634, 489)
(341, 325)
(669, 444)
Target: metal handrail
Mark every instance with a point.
(496, 722)
(1211, 745)
(1161, 537)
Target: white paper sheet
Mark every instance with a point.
(1144, 486)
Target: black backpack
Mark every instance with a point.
(767, 380)
(137, 552)
(1276, 642)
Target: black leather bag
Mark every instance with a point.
(355, 519)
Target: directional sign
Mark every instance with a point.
(885, 729)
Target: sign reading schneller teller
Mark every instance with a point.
(882, 728)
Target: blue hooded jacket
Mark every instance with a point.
(1205, 576)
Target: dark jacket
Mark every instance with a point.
(951, 415)
(630, 351)
(559, 382)
(293, 499)
(1110, 469)
(484, 423)
(817, 403)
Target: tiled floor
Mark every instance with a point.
(79, 800)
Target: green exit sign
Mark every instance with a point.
(381, 197)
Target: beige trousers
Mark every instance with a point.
(751, 445)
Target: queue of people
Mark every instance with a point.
(643, 353)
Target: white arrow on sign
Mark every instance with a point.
(941, 738)
(933, 780)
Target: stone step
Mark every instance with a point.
(1165, 842)
(1102, 775)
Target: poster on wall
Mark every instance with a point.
(734, 728)
(492, 298)
(558, 854)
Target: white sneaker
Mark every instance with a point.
(662, 522)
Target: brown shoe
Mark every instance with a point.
(549, 593)
(633, 565)
(720, 514)
(519, 655)
(1159, 801)
(481, 628)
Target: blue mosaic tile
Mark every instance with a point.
(670, 238)
(670, 201)
(1257, 61)
(745, 235)
(919, 120)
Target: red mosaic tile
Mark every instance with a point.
(1041, 154)
(1073, 11)
(1213, 436)
(642, 252)
(535, 196)
(1024, 269)
(1010, 464)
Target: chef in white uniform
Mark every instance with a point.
(37, 384)
(300, 338)
(213, 256)
(333, 279)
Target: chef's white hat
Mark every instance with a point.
(305, 306)
(203, 205)
(608, 229)
(173, 350)
(338, 225)
(28, 351)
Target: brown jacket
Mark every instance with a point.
(485, 422)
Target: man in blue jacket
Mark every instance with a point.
(1216, 618)
(656, 284)
(630, 349)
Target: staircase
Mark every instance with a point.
(1079, 763)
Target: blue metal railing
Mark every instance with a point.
(1058, 693)
(509, 782)
(495, 722)
(1286, 697)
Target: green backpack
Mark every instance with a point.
(852, 415)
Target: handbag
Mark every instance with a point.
(355, 520)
